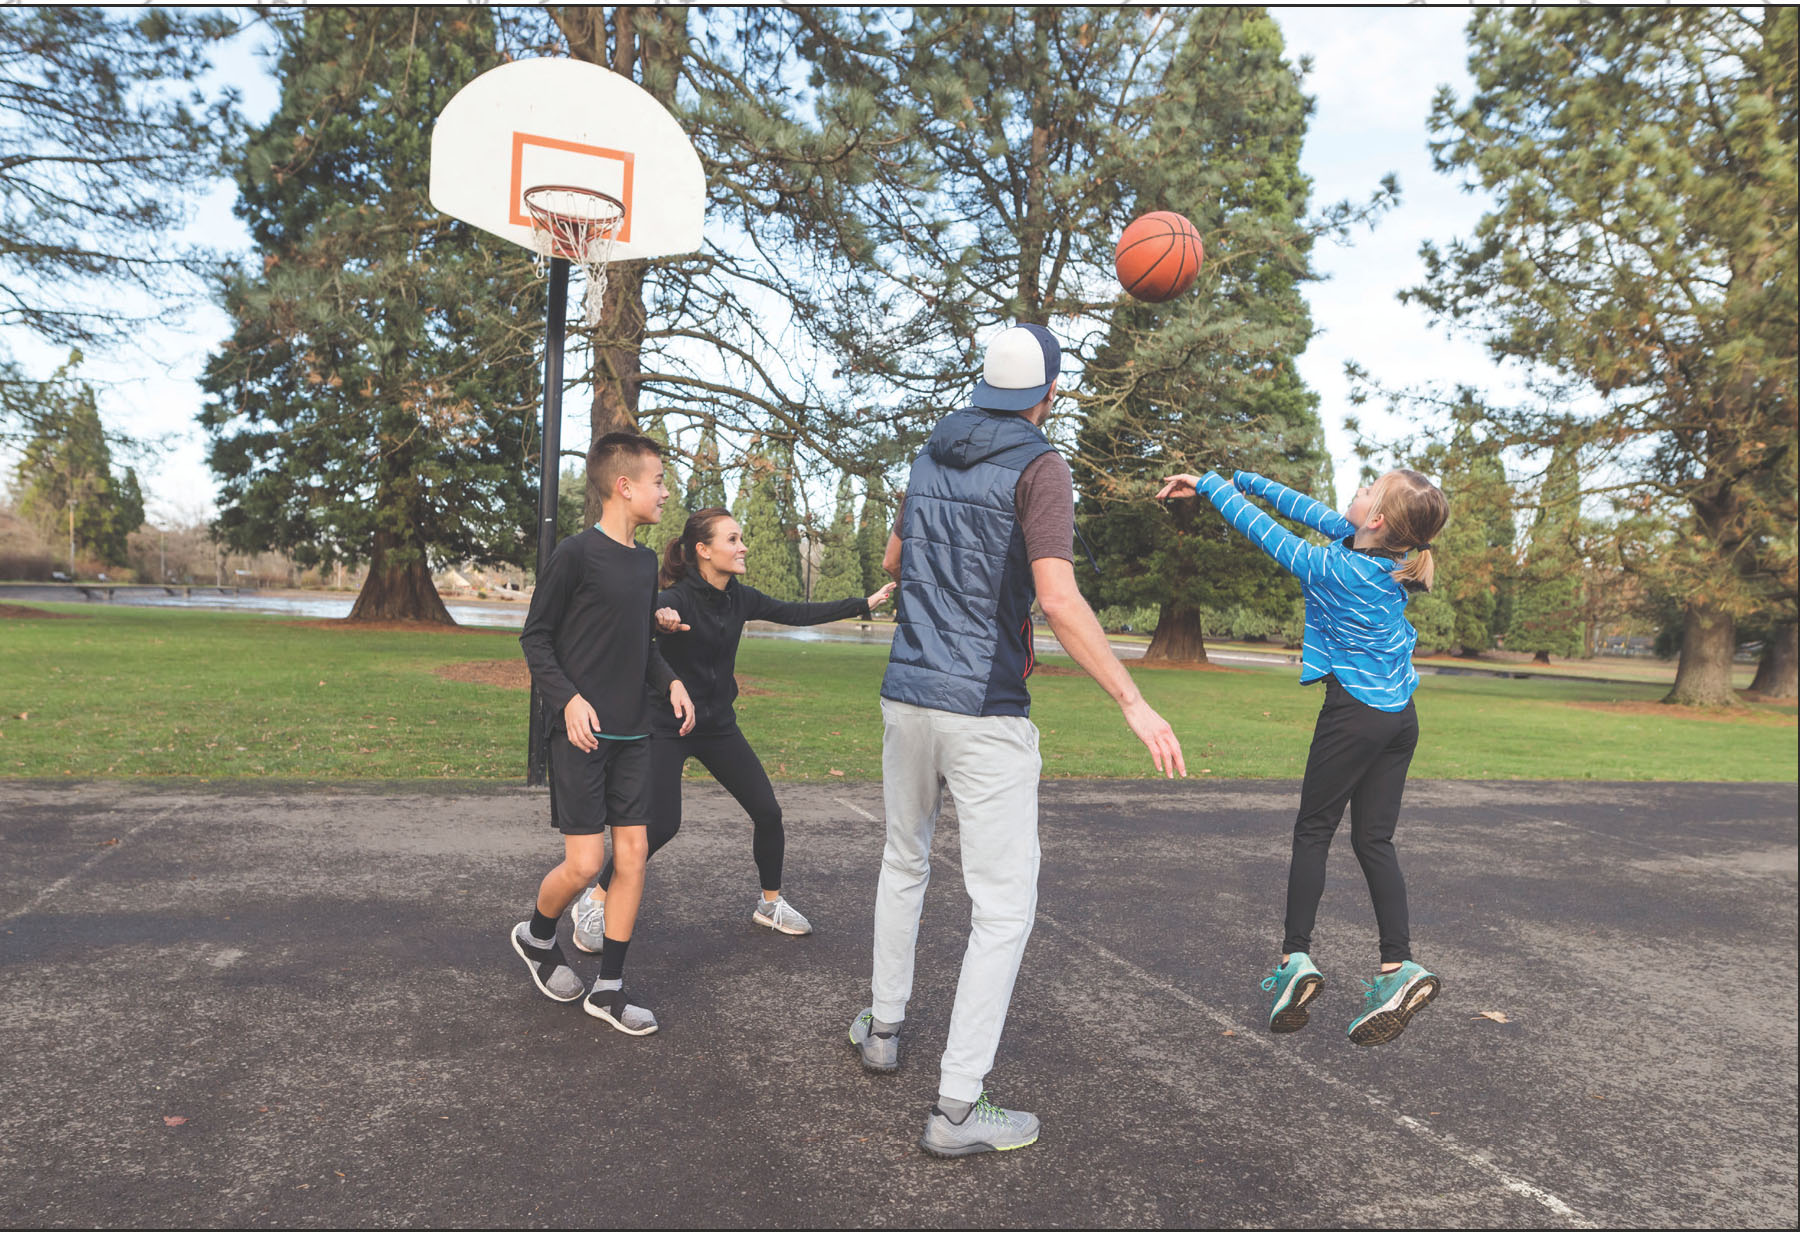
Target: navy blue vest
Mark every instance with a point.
(962, 638)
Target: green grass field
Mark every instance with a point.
(156, 692)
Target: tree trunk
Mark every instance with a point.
(399, 587)
(1778, 675)
(1703, 677)
(1542, 657)
(1178, 635)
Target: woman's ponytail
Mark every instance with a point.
(679, 557)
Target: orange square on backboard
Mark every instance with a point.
(622, 159)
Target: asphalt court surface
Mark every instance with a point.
(317, 980)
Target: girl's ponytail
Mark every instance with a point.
(1416, 572)
(1413, 510)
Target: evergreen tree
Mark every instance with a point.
(770, 561)
(66, 471)
(656, 536)
(374, 398)
(1546, 613)
(872, 534)
(1207, 380)
(840, 568)
(1642, 251)
(706, 482)
(103, 145)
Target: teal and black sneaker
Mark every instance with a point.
(1294, 984)
(1390, 1001)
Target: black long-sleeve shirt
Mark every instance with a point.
(589, 632)
(704, 656)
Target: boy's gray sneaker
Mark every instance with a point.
(589, 919)
(778, 914)
(880, 1051)
(610, 1006)
(987, 1128)
(554, 978)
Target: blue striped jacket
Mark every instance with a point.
(1356, 626)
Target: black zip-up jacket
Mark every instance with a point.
(704, 657)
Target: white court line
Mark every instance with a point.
(1468, 1155)
(89, 863)
(857, 808)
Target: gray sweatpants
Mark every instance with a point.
(991, 766)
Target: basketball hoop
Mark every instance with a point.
(579, 225)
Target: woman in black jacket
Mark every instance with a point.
(700, 581)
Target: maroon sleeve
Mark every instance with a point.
(1045, 499)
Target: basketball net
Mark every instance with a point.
(579, 225)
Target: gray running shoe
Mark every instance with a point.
(987, 1128)
(554, 978)
(778, 914)
(879, 1052)
(589, 918)
(610, 1006)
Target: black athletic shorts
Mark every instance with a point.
(592, 791)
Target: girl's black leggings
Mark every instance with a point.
(1359, 757)
(734, 764)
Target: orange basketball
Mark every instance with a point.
(1158, 257)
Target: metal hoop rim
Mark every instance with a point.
(559, 215)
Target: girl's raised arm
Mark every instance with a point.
(1295, 505)
(1303, 560)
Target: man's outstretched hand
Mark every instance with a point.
(1158, 737)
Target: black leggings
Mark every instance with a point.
(1359, 756)
(735, 765)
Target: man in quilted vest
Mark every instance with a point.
(987, 526)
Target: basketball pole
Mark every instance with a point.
(549, 462)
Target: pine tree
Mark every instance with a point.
(1546, 613)
(872, 533)
(706, 481)
(656, 536)
(1208, 380)
(1641, 257)
(770, 558)
(66, 471)
(373, 399)
(840, 569)
(101, 153)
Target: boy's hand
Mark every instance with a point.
(1179, 486)
(582, 723)
(880, 597)
(684, 706)
(669, 621)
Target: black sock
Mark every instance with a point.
(612, 959)
(543, 928)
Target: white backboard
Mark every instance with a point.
(560, 121)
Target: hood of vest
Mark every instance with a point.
(972, 436)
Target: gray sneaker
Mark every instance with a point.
(880, 1052)
(778, 914)
(610, 1006)
(987, 1128)
(554, 978)
(589, 918)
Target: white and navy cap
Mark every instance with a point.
(1022, 363)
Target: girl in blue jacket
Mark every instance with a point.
(1360, 644)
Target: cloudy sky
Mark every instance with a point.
(1374, 73)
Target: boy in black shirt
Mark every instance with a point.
(588, 641)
